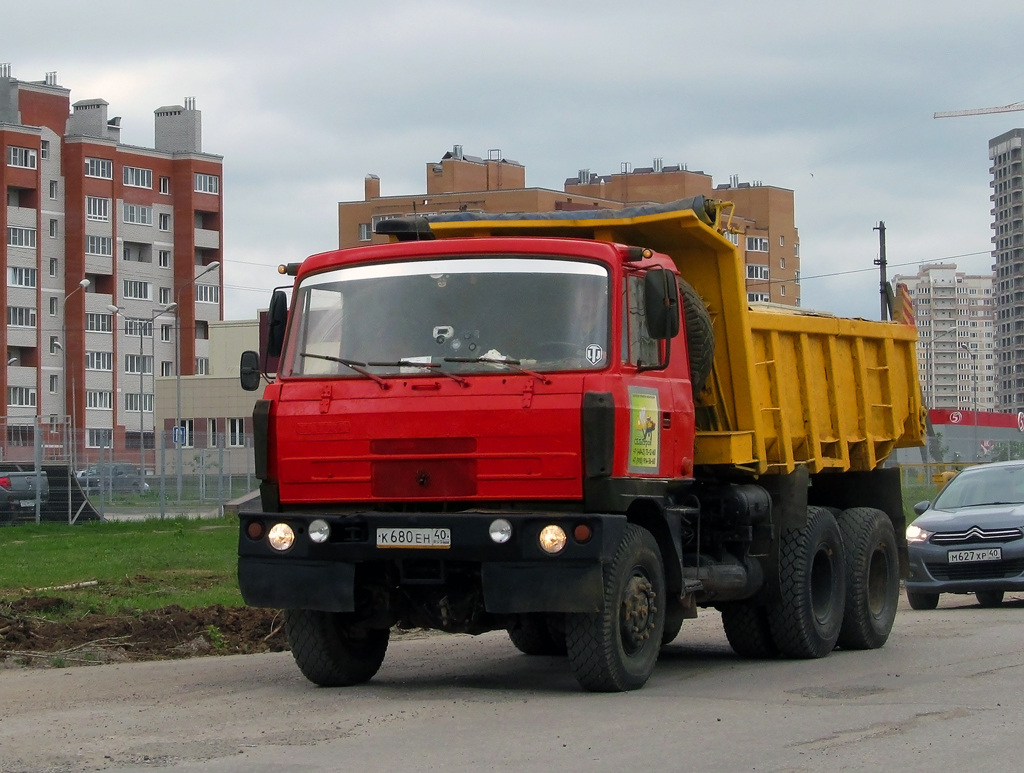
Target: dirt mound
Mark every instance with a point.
(171, 632)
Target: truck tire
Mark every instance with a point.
(700, 337)
(923, 600)
(329, 651)
(746, 628)
(534, 634)
(806, 618)
(616, 649)
(675, 612)
(989, 598)
(872, 578)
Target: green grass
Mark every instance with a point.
(139, 566)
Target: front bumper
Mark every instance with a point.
(515, 577)
(931, 572)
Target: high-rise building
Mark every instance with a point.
(762, 220)
(1008, 257)
(954, 314)
(102, 237)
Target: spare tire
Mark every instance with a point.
(700, 337)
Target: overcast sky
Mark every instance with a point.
(833, 100)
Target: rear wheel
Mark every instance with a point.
(872, 578)
(923, 600)
(746, 628)
(616, 649)
(330, 651)
(806, 618)
(537, 634)
(989, 598)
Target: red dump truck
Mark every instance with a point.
(573, 427)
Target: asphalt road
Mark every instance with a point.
(946, 693)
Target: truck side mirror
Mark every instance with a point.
(277, 319)
(661, 294)
(249, 371)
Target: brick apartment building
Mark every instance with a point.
(763, 219)
(101, 238)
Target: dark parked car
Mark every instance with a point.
(118, 477)
(971, 538)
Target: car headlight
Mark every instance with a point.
(917, 534)
(281, 536)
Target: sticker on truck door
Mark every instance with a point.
(644, 430)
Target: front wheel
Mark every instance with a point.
(923, 600)
(872, 578)
(332, 652)
(806, 618)
(989, 598)
(616, 649)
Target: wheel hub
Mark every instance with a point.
(638, 612)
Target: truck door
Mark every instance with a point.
(650, 402)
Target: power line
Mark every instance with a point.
(896, 265)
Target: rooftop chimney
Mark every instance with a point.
(457, 152)
(51, 78)
(179, 129)
(659, 164)
(5, 69)
(371, 187)
(89, 118)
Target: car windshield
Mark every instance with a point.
(983, 485)
(464, 315)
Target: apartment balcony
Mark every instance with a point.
(206, 239)
(99, 264)
(24, 217)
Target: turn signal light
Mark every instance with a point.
(254, 530)
(582, 533)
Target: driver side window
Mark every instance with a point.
(637, 345)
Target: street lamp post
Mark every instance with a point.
(142, 428)
(177, 362)
(974, 367)
(69, 448)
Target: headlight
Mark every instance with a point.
(281, 537)
(500, 530)
(552, 539)
(917, 534)
(319, 530)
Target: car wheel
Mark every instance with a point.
(989, 598)
(923, 600)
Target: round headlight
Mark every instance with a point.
(319, 531)
(552, 539)
(281, 536)
(500, 530)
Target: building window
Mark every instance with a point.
(207, 183)
(21, 397)
(758, 298)
(53, 306)
(97, 208)
(99, 245)
(138, 327)
(782, 262)
(189, 426)
(53, 267)
(782, 290)
(236, 433)
(757, 244)
(21, 316)
(99, 438)
(365, 233)
(21, 237)
(132, 363)
(132, 400)
(138, 178)
(99, 398)
(53, 189)
(23, 157)
(207, 293)
(782, 241)
(165, 296)
(44, 148)
(165, 185)
(166, 368)
(211, 435)
(99, 167)
(99, 361)
(99, 323)
(202, 366)
(164, 258)
(796, 250)
(165, 332)
(140, 291)
(133, 213)
(164, 220)
(53, 228)
(53, 345)
(733, 237)
(53, 385)
(21, 277)
(757, 272)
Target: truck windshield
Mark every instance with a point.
(544, 314)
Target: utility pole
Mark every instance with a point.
(880, 262)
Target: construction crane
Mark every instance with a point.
(1010, 108)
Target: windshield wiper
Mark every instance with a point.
(508, 362)
(358, 367)
(426, 365)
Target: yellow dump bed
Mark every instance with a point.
(788, 387)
